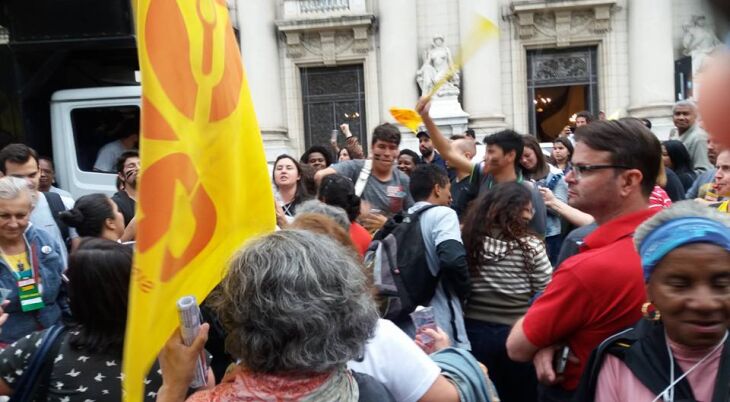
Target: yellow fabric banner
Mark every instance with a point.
(203, 186)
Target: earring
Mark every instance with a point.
(650, 312)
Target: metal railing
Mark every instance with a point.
(321, 6)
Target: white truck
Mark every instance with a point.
(80, 120)
(68, 83)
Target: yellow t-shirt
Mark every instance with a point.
(724, 207)
(17, 262)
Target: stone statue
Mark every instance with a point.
(698, 41)
(436, 63)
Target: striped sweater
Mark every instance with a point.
(501, 288)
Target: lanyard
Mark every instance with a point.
(33, 261)
(668, 393)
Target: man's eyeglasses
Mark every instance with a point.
(580, 170)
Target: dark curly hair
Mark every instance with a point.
(326, 153)
(339, 191)
(498, 214)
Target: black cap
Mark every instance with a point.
(422, 133)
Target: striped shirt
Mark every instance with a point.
(502, 287)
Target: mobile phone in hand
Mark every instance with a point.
(560, 359)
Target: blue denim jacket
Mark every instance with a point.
(51, 269)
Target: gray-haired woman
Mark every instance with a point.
(296, 309)
(31, 266)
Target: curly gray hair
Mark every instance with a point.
(295, 301)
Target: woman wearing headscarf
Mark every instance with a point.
(680, 351)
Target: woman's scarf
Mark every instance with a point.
(241, 385)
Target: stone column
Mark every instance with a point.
(398, 58)
(651, 63)
(259, 46)
(481, 85)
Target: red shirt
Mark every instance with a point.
(360, 237)
(593, 295)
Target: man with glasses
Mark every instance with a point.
(601, 290)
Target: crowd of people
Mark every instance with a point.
(595, 268)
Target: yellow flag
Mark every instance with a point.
(482, 30)
(203, 185)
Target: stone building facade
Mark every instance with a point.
(314, 64)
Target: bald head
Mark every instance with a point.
(465, 146)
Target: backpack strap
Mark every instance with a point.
(362, 180)
(56, 205)
(34, 383)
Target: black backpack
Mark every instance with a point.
(397, 260)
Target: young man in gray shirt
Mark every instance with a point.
(386, 189)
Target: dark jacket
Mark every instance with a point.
(643, 349)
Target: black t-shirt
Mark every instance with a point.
(460, 196)
(675, 188)
(125, 204)
(77, 375)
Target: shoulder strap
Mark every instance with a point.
(417, 214)
(614, 345)
(56, 205)
(38, 373)
(362, 180)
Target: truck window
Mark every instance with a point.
(114, 128)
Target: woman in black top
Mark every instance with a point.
(88, 365)
(676, 157)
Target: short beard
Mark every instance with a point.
(426, 153)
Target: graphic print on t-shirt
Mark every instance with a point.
(395, 195)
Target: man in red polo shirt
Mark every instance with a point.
(599, 291)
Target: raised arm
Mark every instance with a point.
(322, 173)
(443, 146)
(572, 215)
(352, 143)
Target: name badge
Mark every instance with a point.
(30, 295)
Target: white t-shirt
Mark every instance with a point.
(62, 193)
(107, 156)
(395, 360)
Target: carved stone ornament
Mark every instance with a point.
(698, 41)
(326, 39)
(563, 21)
